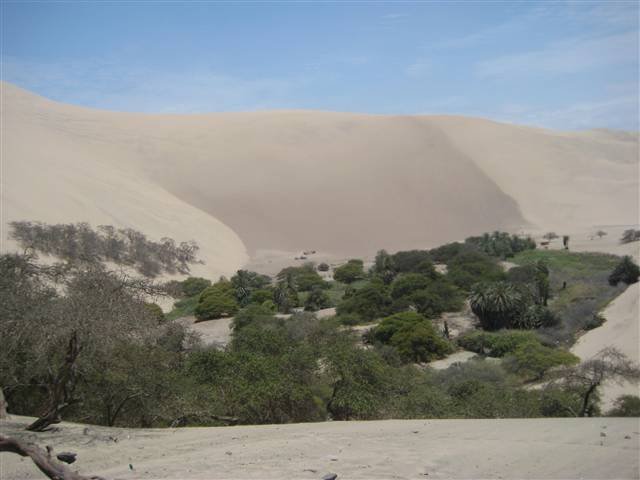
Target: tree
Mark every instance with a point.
(626, 271)
(317, 300)
(285, 295)
(601, 233)
(349, 272)
(625, 406)
(245, 283)
(193, 286)
(369, 302)
(384, 267)
(217, 301)
(471, 267)
(630, 235)
(532, 360)
(565, 242)
(550, 236)
(497, 305)
(608, 365)
(413, 336)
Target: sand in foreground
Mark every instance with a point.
(567, 448)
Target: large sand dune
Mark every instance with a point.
(289, 180)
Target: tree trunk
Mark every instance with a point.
(585, 401)
(60, 389)
(3, 405)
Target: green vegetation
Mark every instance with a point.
(193, 286)
(626, 406)
(630, 235)
(578, 288)
(626, 271)
(501, 244)
(413, 336)
(349, 272)
(496, 344)
(217, 301)
(83, 341)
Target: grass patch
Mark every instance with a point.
(183, 308)
(587, 288)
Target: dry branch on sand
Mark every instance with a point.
(47, 465)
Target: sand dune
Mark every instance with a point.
(291, 180)
(586, 448)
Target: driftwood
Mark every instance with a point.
(42, 459)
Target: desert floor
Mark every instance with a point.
(596, 448)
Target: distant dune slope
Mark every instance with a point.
(344, 183)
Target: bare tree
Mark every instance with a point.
(608, 365)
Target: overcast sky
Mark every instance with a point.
(566, 65)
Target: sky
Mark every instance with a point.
(562, 65)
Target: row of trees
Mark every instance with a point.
(78, 242)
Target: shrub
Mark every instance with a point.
(411, 261)
(349, 319)
(317, 300)
(625, 406)
(595, 321)
(536, 316)
(194, 286)
(413, 336)
(261, 295)
(408, 283)
(369, 302)
(532, 360)
(155, 311)
(349, 272)
(217, 301)
(501, 244)
(250, 314)
(303, 278)
(495, 344)
(630, 235)
(323, 267)
(626, 271)
(469, 268)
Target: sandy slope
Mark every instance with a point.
(600, 448)
(283, 180)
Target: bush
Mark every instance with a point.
(469, 268)
(349, 272)
(349, 319)
(532, 360)
(217, 301)
(630, 235)
(501, 244)
(323, 267)
(626, 271)
(411, 261)
(369, 302)
(537, 316)
(261, 295)
(303, 278)
(595, 321)
(495, 344)
(625, 406)
(317, 300)
(155, 311)
(408, 283)
(250, 314)
(413, 336)
(193, 286)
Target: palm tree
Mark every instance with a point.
(497, 305)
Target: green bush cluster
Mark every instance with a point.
(626, 271)
(349, 272)
(217, 301)
(501, 244)
(413, 336)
